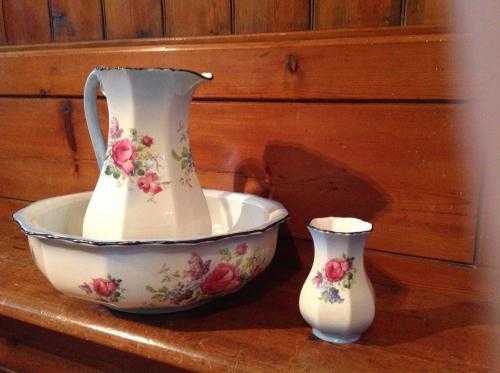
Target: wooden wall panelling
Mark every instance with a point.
(76, 20)
(404, 66)
(252, 16)
(3, 37)
(128, 19)
(400, 165)
(330, 14)
(194, 17)
(27, 21)
(430, 12)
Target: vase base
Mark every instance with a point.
(335, 338)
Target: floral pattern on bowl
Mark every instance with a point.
(337, 274)
(107, 290)
(132, 157)
(206, 278)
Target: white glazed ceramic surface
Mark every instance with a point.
(337, 298)
(147, 187)
(153, 275)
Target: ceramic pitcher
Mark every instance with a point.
(337, 298)
(147, 187)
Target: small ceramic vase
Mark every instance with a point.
(337, 299)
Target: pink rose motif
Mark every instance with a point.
(335, 269)
(224, 278)
(147, 140)
(123, 154)
(115, 130)
(197, 268)
(104, 287)
(241, 249)
(149, 183)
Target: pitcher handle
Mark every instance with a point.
(92, 117)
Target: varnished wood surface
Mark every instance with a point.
(418, 326)
(256, 16)
(26, 21)
(193, 17)
(128, 19)
(76, 20)
(330, 14)
(145, 18)
(386, 163)
(432, 12)
(397, 67)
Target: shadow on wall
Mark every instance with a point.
(311, 185)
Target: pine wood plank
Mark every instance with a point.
(431, 12)
(27, 21)
(356, 13)
(379, 67)
(76, 20)
(3, 37)
(389, 163)
(192, 17)
(255, 16)
(128, 19)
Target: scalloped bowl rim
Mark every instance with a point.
(277, 215)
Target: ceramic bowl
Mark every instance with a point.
(153, 276)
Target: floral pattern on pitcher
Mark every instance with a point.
(203, 279)
(184, 156)
(104, 289)
(132, 157)
(336, 274)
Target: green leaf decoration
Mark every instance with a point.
(140, 172)
(176, 156)
(116, 174)
(150, 289)
(109, 170)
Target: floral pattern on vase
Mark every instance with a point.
(107, 290)
(204, 279)
(184, 156)
(336, 274)
(132, 157)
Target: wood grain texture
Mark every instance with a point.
(3, 37)
(330, 14)
(415, 329)
(431, 12)
(255, 16)
(407, 66)
(76, 20)
(28, 348)
(128, 19)
(193, 17)
(387, 163)
(27, 21)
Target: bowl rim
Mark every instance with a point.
(281, 215)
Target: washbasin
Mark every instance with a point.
(153, 275)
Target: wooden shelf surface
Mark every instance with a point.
(418, 327)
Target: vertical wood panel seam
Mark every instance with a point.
(104, 31)
(162, 16)
(402, 21)
(232, 11)
(4, 23)
(51, 26)
(312, 14)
